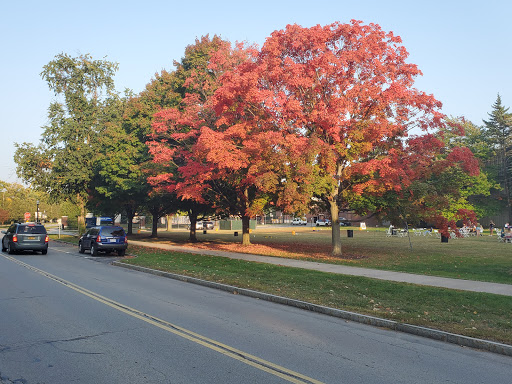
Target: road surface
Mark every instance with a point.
(72, 318)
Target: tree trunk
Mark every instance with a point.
(505, 179)
(246, 236)
(335, 228)
(192, 215)
(154, 225)
(335, 225)
(129, 215)
(168, 222)
(81, 217)
(507, 185)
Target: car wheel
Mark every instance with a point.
(44, 252)
(81, 248)
(10, 251)
(94, 250)
(3, 247)
(121, 252)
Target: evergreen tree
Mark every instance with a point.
(498, 130)
(498, 127)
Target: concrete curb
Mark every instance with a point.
(503, 349)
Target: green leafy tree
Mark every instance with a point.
(480, 191)
(61, 165)
(17, 199)
(118, 184)
(4, 216)
(453, 188)
(123, 162)
(135, 162)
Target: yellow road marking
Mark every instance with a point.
(254, 361)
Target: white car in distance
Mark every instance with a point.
(299, 221)
(323, 222)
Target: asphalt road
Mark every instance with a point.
(67, 317)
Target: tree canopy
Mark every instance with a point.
(61, 165)
(327, 114)
(323, 111)
(346, 91)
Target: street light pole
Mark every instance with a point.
(37, 212)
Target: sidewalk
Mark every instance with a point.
(434, 281)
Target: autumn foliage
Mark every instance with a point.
(328, 111)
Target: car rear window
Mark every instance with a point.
(32, 229)
(112, 231)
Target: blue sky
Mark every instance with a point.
(462, 47)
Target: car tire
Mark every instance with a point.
(10, 251)
(81, 248)
(94, 250)
(121, 252)
(44, 252)
(3, 247)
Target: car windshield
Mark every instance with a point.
(112, 231)
(32, 229)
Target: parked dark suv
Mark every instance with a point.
(104, 239)
(25, 237)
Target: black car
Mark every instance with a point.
(108, 239)
(25, 237)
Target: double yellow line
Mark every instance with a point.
(254, 361)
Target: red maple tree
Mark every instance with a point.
(349, 91)
(324, 111)
(227, 154)
(208, 166)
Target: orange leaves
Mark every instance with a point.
(220, 150)
(464, 157)
(160, 151)
(160, 179)
(340, 75)
(329, 105)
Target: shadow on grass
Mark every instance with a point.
(267, 247)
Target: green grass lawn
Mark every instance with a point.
(475, 258)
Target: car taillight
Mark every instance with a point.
(98, 239)
(126, 239)
(14, 238)
(46, 239)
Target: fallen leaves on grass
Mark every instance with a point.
(314, 251)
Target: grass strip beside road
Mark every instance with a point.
(479, 315)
